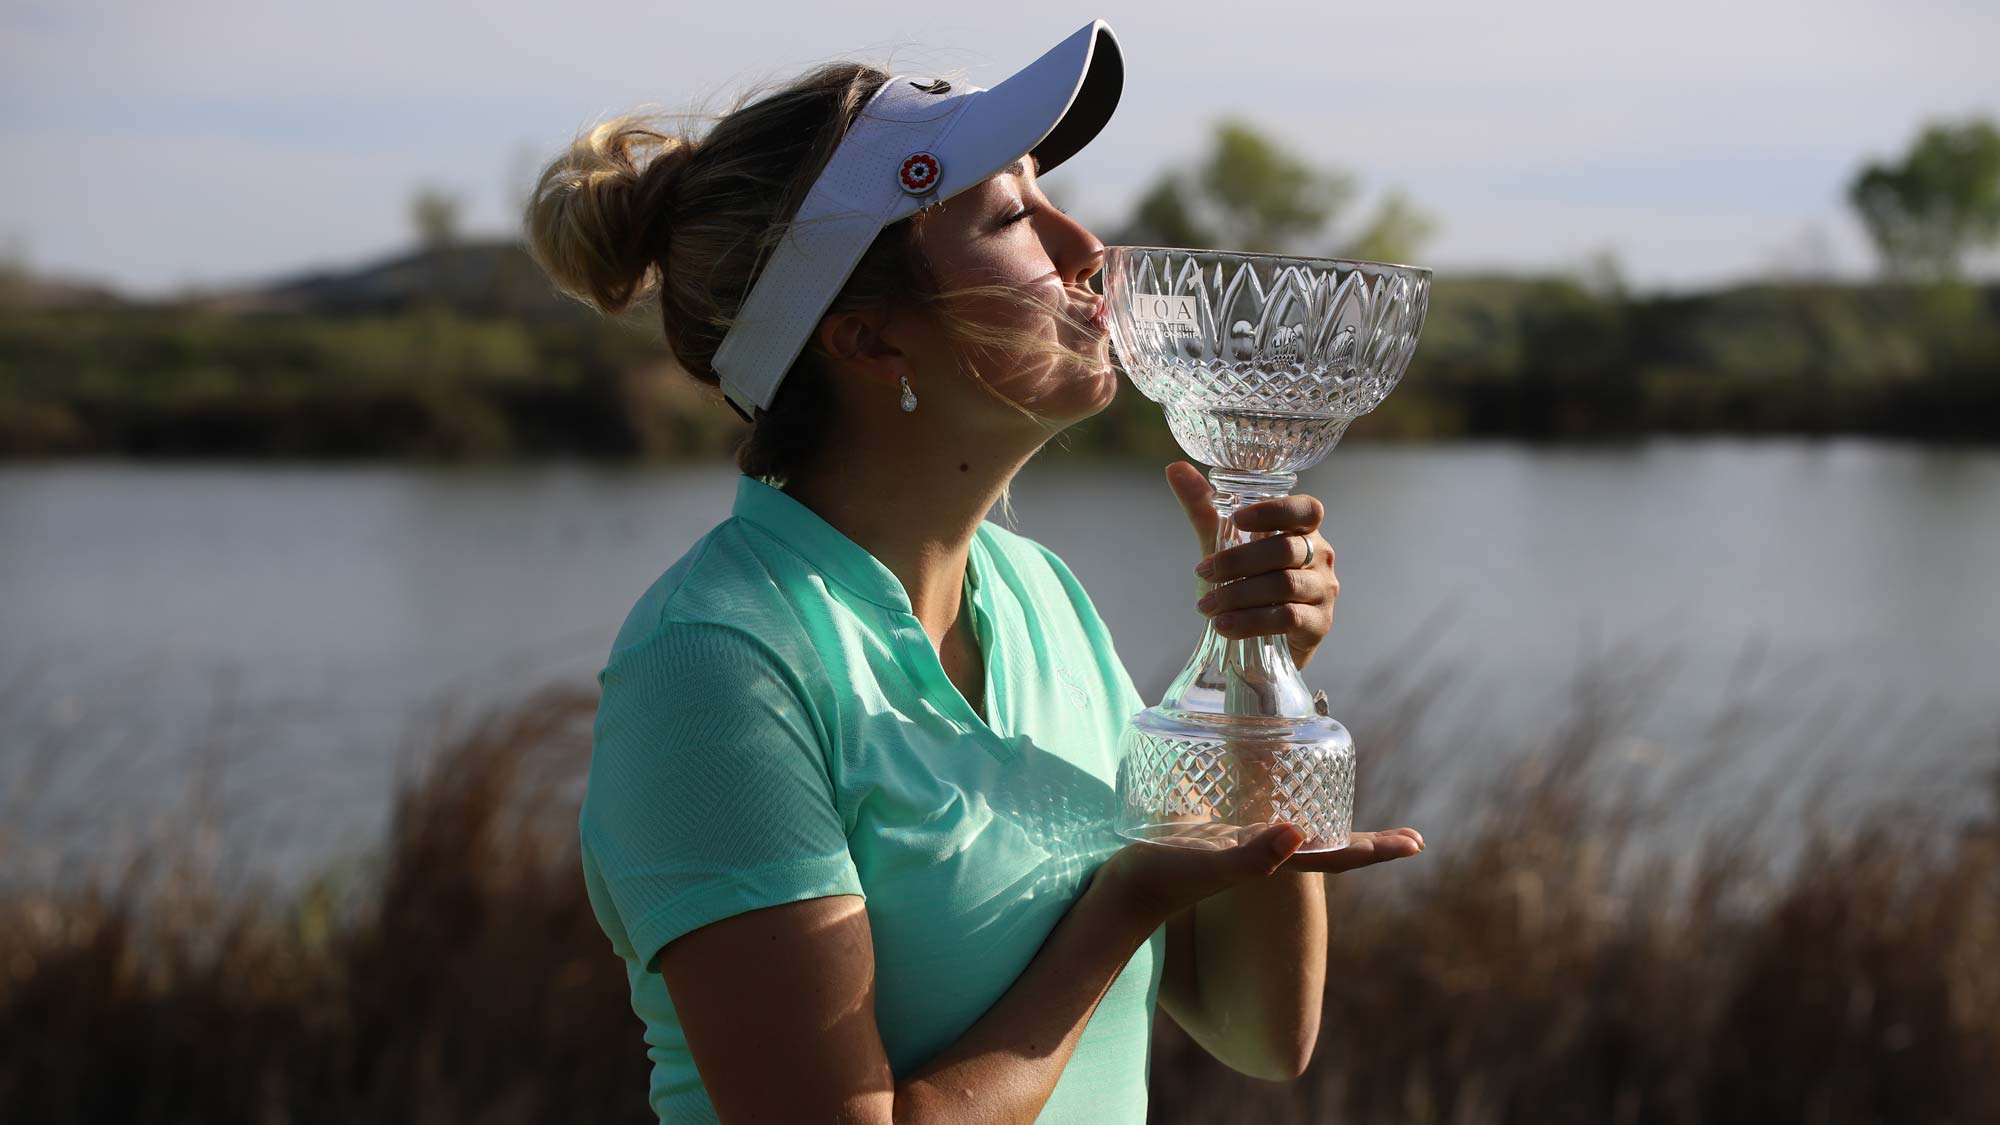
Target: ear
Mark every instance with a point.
(857, 343)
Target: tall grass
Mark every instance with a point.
(1569, 949)
(1565, 951)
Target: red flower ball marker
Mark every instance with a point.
(920, 173)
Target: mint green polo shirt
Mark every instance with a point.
(774, 725)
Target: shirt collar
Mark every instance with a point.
(829, 550)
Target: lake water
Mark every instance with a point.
(292, 619)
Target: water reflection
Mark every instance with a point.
(334, 599)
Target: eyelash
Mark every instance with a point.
(1028, 212)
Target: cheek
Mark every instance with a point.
(1040, 296)
(1032, 312)
(1025, 269)
(1035, 308)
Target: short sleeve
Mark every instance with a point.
(709, 792)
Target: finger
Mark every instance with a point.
(1364, 849)
(1195, 494)
(1297, 512)
(1260, 845)
(1273, 552)
(1292, 619)
(1277, 588)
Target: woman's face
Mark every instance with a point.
(1004, 231)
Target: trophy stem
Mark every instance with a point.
(1251, 677)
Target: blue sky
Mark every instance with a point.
(153, 146)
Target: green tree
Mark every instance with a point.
(1940, 201)
(1248, 193)
(434, 218)
(1396, 234)
(16, 276)
(434, 214)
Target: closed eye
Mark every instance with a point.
(1027, 212)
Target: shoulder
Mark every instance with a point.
(1031, 559)
(731, 582)
(711, 653)
(1028, 557)
(717, 633)
(1040, 573)
(1063, 611)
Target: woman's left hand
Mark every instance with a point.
(1263, 586)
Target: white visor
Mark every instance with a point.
(918, 141)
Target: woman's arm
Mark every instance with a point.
(1245, 972)
(778, 1006)
(1246, 967)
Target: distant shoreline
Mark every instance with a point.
(468, 355)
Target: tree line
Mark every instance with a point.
(459, 349)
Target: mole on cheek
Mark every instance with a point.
(963, 467)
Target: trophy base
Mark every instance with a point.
(1207, 836)
(1195, 780)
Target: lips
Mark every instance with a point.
(1097, 313)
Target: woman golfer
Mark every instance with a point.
(848, 818)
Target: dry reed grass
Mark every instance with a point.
(1545, 961)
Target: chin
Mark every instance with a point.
(1108, 381)
(1088, 396)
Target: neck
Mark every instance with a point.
(915, 511)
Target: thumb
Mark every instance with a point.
(1269, 849)
(1192, 489)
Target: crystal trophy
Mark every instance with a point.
(1259, 362)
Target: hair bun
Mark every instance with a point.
(599, 215)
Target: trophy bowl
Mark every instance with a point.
(1259, 362)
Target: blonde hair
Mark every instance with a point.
(636, 211)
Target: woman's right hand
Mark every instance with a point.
(1157, 881)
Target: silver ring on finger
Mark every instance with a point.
(1307, 565)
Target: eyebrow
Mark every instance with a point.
(1016, 169)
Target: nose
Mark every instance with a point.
(1076, 252)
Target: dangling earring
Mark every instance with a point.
(909, 396)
